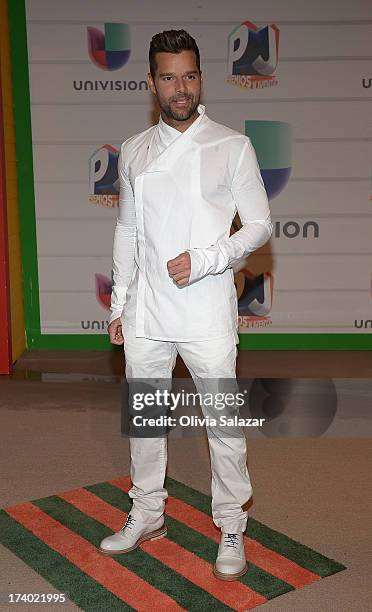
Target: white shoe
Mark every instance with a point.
(132, 535)
(231, 562)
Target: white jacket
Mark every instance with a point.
(179, 191)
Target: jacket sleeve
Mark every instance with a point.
(252, 205)
(124, 243)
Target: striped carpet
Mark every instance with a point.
(57, 536)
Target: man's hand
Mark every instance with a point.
(179, 268)
(115, 332)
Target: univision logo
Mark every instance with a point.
(94, 325)
(295, 229)
(103, 296)
(272, 141)
(109, 50)
(253, 55)
(364, 323)
(103, 290)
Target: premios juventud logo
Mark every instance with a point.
(253, 56)
(103, 177)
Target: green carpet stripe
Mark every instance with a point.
(295, 551)
(80, 588)
(256, 578)
(159, 575)
(190, 496)
(278, 542)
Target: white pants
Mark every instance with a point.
(230, 484)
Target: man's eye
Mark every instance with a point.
(167, 77)
(191, 76)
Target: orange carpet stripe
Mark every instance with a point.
(268, 560)
(171, 554)
(95, 507)
(123, 583)
(237, 595)
(257, 553)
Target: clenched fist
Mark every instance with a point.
(115, 332)
(179, 268)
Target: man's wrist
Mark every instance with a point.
(116, 314)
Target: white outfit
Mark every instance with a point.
(180, 192)
(206, 360)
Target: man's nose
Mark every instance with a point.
(180, 85)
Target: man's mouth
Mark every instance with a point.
(182, 102)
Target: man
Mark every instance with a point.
(181, 183)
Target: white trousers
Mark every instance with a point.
(230, 483)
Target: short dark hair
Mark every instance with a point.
(172, 41)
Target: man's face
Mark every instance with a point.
(177, 84)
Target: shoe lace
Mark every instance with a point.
(231, 539)
(129, 522)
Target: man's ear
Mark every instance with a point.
(150, 83)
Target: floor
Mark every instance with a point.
(310, 467)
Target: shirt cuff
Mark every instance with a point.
(114, 315)
(118, 299)
(209, 260)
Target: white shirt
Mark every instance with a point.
(179, 191)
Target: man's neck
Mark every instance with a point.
(181, 126)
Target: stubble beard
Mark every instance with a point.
(179, 114)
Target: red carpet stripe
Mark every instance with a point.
(171, 554)
(95, 507)
(270, 561)
(236, 595)
(263, 557)
(105, 570)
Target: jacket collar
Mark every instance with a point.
(173, 141)
(167, 133)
